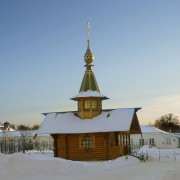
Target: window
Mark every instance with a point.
(90, 104)
(168, 141)
(141, 142)
(94, 104)
(151, 142)
(87, 104)
(87, 142)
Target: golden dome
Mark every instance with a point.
(88, 57)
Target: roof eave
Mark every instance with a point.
(78, 97)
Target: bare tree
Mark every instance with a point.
(22, 127)
(168, 122)
(35, 127)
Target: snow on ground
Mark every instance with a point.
(36, 166)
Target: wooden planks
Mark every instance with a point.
(68, 146)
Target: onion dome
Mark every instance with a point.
(88, 57)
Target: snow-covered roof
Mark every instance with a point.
(17, 133)
(89, 94)
(20, 133)
(107, 121)
(7, 129)
(151, 129)
(10, 129)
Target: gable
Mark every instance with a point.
(135, 127)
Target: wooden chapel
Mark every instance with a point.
(91, 133)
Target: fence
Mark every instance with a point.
(18, 144)
(142, 155)
(167, 155)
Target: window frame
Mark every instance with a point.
(168, 141)
(141, 142)
(87, 104)
(151, 142)
(87, 142)
(94, 104)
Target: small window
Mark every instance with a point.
(87, 142)
(87, 104)
(151, 142)
(168, 141)
(141, 142)
(94, 104)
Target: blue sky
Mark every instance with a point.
(136, 45)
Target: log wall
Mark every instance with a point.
(69, 147)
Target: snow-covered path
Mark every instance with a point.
(43, 167)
